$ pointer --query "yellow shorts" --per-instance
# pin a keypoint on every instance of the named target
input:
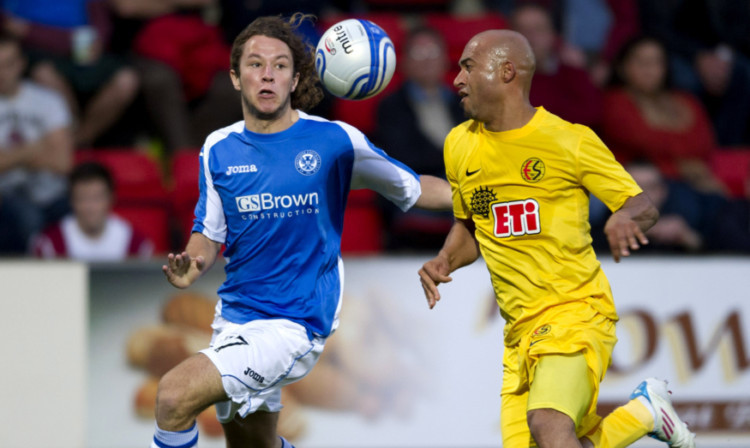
(558, 364)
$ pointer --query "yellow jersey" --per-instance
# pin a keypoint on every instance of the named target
(527, 192)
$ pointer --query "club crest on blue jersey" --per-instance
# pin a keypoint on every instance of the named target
(307, 162)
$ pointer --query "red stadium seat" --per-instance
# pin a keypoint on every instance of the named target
(150, 220)
(732, 166)
(458, 30)
(363, 224)
(361, 113)
(137, 176)
(185, 172)
(139, 190)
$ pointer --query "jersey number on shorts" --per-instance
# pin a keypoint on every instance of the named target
(230, 341)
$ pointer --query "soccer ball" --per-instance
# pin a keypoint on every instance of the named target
(355, 59)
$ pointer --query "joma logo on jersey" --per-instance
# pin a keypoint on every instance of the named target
(516, 218)
(267, 201)
(239, 169)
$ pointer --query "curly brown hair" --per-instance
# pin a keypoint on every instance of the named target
(308, 92)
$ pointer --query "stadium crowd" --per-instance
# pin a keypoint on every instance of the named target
(135, 86)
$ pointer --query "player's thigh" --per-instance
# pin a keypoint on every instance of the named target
(563, 383)
(191, 386)
(256, 430)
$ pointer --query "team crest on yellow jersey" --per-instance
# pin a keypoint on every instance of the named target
(540, 333)
(543, 330)
(533, 170)
(481, 198)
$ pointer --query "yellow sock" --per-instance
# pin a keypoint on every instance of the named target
(623, 426)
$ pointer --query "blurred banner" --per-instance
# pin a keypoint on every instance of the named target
(396, 374)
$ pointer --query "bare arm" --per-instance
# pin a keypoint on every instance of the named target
(182, 270)
(19, 156)
(460, 249)
(56, 154)
(626, 228)
(436, 194)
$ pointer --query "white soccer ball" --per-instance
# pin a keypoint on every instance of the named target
(355, 59)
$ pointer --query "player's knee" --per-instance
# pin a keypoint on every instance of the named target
(548, 424)
(535, 420)
(125, 84)
(172, 410)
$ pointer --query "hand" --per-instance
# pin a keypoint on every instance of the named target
(182, 270)
(623, 235)
(433, 273)
(674, 230)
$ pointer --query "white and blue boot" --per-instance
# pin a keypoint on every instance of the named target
(667, 424)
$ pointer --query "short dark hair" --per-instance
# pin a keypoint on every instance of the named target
(308, 92)
(424, 29)
(88, 171)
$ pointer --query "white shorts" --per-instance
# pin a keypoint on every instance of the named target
(256, 360)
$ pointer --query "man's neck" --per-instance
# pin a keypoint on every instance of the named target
(510, 117)
(92, 233)
(278, 124)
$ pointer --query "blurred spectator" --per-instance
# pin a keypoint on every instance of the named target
(92, 232)
(599, 28)
(67, 42)
(412, 124)
(709, 48)
(36, 148)
(183, 63)
(692, 221)
(237, 14)
(645, 118)
(561, 84)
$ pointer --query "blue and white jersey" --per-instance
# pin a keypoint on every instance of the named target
(277, 202)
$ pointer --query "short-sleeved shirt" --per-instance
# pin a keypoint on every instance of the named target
(25, 118)
(277, 201)
(527, 192)
(118, 241)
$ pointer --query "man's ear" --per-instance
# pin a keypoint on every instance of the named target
(508, 71)
(296, 81)
(235, 80)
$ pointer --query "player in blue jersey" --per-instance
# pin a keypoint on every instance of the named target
(273, 188)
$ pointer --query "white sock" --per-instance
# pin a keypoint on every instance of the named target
(175, 439)
(648, 405)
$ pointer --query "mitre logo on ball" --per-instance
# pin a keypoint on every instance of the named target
(355, 59)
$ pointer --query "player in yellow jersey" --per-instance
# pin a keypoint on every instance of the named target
(521, 177)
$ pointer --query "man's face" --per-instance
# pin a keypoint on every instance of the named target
(479, 82)
(645, 68)
(266, 77)
(11, 68)
(426, 60)
(92, 202)
(536, 25)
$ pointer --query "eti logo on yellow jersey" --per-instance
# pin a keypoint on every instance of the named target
(516, 218)
(512, 218)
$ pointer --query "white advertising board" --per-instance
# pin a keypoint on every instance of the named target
(396, 374)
